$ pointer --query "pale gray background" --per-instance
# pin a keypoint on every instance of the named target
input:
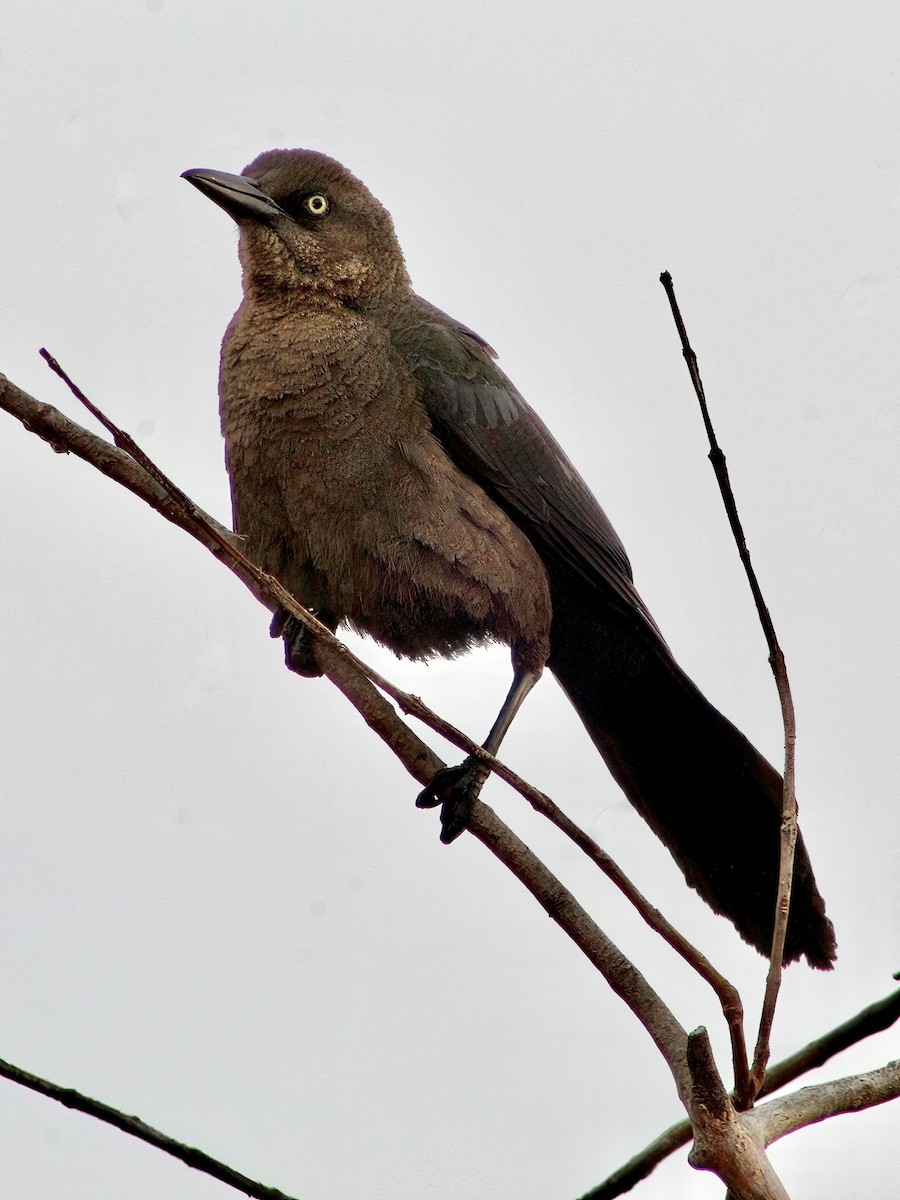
(220, 909)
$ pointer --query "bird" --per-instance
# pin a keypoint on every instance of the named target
(388, 472)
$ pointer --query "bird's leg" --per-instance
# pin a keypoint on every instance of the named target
(299, 642)
(456, 788)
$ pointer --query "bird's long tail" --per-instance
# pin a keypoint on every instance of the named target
(701, 786)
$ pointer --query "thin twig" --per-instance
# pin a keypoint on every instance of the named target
(138, 1129)
(779, 669)
(727, 994)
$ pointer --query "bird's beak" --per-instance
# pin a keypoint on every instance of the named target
(239, 196)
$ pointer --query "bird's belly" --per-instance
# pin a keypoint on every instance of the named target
(422, 560)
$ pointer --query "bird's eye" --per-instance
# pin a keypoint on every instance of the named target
(316, 204)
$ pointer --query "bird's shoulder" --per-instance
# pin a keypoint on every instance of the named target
(488, 429)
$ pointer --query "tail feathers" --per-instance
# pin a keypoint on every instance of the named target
(701, 786)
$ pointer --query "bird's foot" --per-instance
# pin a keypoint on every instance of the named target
(299, 640)
(456, 789)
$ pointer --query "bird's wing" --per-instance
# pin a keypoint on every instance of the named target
(489, 431)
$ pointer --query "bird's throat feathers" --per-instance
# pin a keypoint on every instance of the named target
(274, 273)
(283, 268)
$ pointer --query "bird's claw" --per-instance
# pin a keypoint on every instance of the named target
(299, 644)
(456, 790)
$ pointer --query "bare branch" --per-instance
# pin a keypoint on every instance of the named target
(642, 1164)
(779, 670)
(727, 993)
(133, 1125)
(724, 1142)
(810, 1105)
(875, 1018)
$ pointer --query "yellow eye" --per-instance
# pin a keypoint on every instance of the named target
(317, 204)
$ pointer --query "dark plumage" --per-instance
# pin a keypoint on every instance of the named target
(389, 473)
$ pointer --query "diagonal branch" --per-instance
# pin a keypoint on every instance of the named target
(145, 1133)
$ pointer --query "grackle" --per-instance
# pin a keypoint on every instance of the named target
(387, 471)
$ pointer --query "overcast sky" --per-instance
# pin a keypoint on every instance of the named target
(220, 909)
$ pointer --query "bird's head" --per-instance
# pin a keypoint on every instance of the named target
(306, 224)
